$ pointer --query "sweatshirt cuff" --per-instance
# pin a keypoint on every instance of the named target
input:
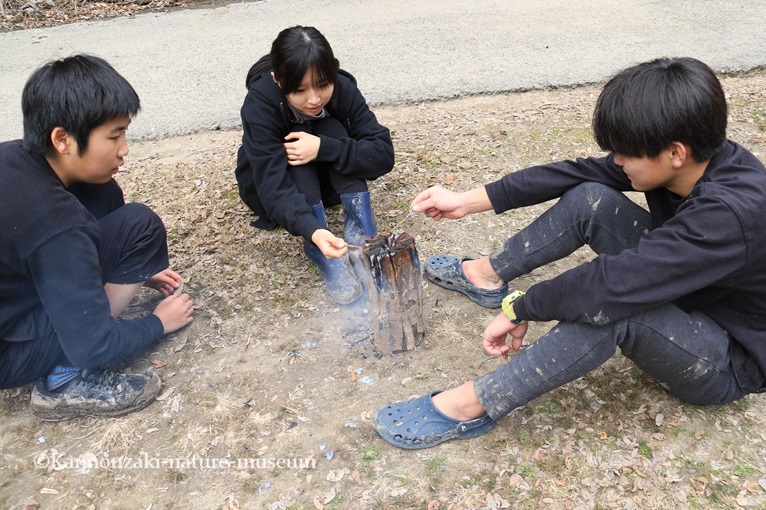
(495, 193)
(306, 225)
(329, 149)
(157, 329)
(520, 309)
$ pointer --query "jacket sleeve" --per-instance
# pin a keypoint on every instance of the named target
(263, 146)
(703, 246)
(77, 306)
(368, 152)
(541, 183)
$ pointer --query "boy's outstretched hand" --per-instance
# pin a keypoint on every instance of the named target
(166, 282)
(437, 203)
(496, 333)
(332, 247)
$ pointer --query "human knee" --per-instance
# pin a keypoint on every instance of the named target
(592, 197)
(142, 215)
(331, 127)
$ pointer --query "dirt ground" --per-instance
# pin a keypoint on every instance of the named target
(268, 394)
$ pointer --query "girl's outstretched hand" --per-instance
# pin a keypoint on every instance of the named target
(302, 148)
(332, 247)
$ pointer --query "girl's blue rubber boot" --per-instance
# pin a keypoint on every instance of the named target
(340, 281)
(360, 222)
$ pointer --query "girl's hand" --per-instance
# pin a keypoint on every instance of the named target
(302, 148)
(166, 282)
(496, 333)
(332, 247)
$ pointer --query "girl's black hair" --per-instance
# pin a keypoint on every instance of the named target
(645, 108)
(295, 51)
(77, 93)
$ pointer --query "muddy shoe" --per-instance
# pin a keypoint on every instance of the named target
(94, 393)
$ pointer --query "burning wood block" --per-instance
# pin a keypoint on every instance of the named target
(388, 266)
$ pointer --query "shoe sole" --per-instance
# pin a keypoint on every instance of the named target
(69, 409)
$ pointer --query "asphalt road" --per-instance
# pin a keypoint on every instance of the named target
(189, 66)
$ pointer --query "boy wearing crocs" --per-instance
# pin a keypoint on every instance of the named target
(680, 288)
(72, 253)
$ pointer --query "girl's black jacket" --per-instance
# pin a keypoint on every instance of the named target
(262, 161)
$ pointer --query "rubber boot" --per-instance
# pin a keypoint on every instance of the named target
(360, 222)
(341, 283)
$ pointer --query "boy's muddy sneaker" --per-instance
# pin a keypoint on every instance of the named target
(92, 392)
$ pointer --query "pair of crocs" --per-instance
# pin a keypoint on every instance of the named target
(417, 424)
(447, 271)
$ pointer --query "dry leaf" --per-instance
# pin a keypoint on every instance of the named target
(353, 374)
(31, 504)
(329, 495)
(335, 476)
(166, 393)
(158, 363)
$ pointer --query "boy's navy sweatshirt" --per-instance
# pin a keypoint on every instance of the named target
(50, 275)
(367, 153)
(706, 253)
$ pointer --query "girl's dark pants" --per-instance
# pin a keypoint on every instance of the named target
(314, 178)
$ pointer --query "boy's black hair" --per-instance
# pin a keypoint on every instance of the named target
(77, 93)
(295, 51)
(645, 108)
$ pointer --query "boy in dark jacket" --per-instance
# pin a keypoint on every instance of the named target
(72, 254)
(680, 288)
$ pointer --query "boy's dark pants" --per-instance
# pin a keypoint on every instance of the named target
(687, 353)
(133, 249)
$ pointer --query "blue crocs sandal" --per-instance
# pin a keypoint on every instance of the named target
(417, 424)
(447, 271)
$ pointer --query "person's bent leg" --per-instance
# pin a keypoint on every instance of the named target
(134, 248)
(590, 214)
(686, 353)
(25, 362)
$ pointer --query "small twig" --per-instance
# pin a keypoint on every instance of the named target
(288, 408)
(354, 247)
